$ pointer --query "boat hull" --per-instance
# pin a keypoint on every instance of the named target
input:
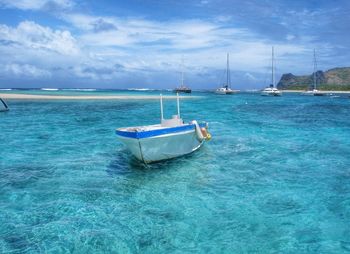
(227, 92)
(163, 147)
(314, 93)
(271, 93)
(182, 90)
(224, 91)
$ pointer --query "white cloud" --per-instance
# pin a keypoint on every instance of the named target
(144, 48)
(150, 46)
(37, 4)
(250, 76)
(171, 35)
(223, 18)
(290, 37)
(32, 36)
(24, 71)
(32, 51)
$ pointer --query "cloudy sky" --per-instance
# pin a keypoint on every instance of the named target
(137, 43)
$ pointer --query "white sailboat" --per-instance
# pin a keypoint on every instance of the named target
(182, 88)
(226, 88)
(272, 90)
(169, 139)
(314, 91)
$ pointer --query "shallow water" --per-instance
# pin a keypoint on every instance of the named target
(274, 178)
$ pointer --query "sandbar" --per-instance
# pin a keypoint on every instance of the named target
(89, 97)
(323, 91)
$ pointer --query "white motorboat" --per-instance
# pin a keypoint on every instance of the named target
(226, 88)
(272, 90)
(169, 139)
(314, 91)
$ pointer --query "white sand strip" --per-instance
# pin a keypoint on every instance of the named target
(302, 91)
(89, 97)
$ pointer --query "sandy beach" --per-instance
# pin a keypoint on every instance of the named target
(88, 97)
(301, 91)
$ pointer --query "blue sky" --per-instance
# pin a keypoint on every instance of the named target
(135, 43)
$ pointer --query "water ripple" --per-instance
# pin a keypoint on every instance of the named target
(274, 178)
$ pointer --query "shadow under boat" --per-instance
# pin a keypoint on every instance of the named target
(125, 163)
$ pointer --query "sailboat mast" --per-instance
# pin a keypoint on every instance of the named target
(182, 71)
(228, 81)
(161, 108)
(273, 71)
(315, 69)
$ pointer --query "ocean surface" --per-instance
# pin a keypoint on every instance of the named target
(275, 178)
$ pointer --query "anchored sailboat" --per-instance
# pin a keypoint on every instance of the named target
(314, 91)
(272, 90)
(182, 88)
(226, 88)
(169, 139)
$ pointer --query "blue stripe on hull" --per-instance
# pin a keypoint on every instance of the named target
(153, 133)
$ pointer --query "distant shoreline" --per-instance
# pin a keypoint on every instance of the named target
(302, 91)
(89, 97)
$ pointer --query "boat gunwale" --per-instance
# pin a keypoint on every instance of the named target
(157, 132)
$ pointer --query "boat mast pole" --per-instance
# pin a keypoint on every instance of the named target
(182, 71)
(273, 73)
(315, 67)
(228, 71)
(161, 107)
(178, 104)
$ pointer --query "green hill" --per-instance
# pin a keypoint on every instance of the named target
(334, 79)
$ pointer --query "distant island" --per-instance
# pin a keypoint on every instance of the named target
(337, 79)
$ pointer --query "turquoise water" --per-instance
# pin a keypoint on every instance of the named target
(275, 178)
(85, 92)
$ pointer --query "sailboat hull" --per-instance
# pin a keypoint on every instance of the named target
(185, 90)
(270, 94)
(314, 93)
(224, 91)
